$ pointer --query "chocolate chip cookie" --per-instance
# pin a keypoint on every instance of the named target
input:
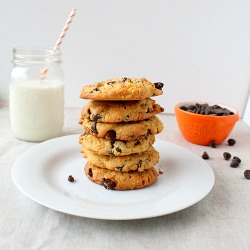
(125, 131)
(118, 148)
(120, 180)
(122, 89)
(134, 162)
(121, 111)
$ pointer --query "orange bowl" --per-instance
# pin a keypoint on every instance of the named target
(203, 129)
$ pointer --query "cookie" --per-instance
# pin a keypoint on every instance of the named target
(125, 131)
(121, 111)
(121, 89)
(118, 148)
(120, 180)
(135, 162)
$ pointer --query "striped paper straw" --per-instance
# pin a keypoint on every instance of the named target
(59, 41)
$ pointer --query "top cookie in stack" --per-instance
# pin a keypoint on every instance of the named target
(119, 130)
(122, 89)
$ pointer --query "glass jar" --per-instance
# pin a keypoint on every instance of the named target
(36, 102)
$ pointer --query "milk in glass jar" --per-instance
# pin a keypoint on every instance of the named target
(36, 101)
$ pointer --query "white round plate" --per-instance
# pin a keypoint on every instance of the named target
(41, 173)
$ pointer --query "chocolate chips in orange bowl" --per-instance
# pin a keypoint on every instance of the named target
(202, 123)
(119, 127)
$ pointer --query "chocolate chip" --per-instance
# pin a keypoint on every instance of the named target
(95, 89)
(205, 155)
(226, 156)
(90, 172)
(111, 83)
(231, 142)
(127, 117)
(247, 174)
(159, 85)
(111, 135)
(89, 112)
(137, 143)
(184, 108)
(148, 133)
(149, 111)
(119, 168)
(205, 109)
(108, 184)
(93, 128)
(237, 159)
(234, 163)
(213, 144)
(124, 79)
(96, 117)
(118, 149)
(139, 166)
(71, 178)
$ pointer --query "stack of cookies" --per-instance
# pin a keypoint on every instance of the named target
(119, 126)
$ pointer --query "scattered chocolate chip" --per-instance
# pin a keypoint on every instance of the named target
(161, 172)
(93, 128)
(124, 79)
(108, 184)
(111, 135)
(89, 112)
(118, 149)
(247, 174)
(71, 178)
(237, 159)
(96, 117)
(90, 173)
(226, 156)
(213, 144)
(205, 155)
(234, 163)
(159, 85)
(231, 142)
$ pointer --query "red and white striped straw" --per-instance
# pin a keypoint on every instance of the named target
(59, 41)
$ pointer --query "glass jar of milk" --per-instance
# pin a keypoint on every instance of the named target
(36, 103)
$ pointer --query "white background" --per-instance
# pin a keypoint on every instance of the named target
(200, 49)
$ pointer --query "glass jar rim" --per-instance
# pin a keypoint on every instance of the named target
(36, 55)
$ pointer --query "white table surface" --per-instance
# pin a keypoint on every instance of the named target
(220, 221)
